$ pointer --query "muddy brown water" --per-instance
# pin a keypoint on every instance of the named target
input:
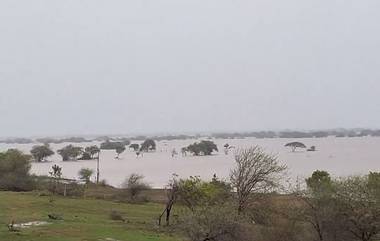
(339, 156)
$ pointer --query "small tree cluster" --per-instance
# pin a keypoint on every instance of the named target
(202, 148)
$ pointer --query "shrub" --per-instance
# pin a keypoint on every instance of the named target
(194, 192)
(55, 216)
(134, 185)
(116, 216)
(85, 174)
(14, 171)
(218, 223)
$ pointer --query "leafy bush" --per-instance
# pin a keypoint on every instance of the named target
(218, 223)
(85, 174)
(14, 171)
(55, 216)
(134, 185)
(194, 192)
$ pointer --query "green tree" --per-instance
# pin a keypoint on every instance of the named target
(320, 183)
(320, 208)
(39, 153)
(194, 192)
(70, 152)
(14, 171)
(358, 207)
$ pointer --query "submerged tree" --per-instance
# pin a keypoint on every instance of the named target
(110, 145)
(184, 151)
(148, 145)
(312, 148)
(39, 153)
(134, 146)
(92, 151)
(295, 145)
(202, 148)
(70, 152)
(119, 150)
(255, 172)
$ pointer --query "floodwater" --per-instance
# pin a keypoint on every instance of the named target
(339, 156)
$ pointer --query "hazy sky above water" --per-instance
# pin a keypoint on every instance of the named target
(92, 67)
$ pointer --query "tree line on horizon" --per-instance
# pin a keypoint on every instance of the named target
(219, 135)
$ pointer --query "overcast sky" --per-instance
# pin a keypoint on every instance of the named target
(149, 66)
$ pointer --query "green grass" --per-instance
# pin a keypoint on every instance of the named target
(83, 220)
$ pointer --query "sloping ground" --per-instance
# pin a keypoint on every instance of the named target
(111, 193)
(83, 220)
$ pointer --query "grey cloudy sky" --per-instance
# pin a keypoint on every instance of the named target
(91, 67)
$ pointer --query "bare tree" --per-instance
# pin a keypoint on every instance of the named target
(172, 190)
(255, 172)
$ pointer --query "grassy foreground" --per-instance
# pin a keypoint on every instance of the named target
(84, 220)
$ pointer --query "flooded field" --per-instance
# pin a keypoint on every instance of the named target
(339, 156)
